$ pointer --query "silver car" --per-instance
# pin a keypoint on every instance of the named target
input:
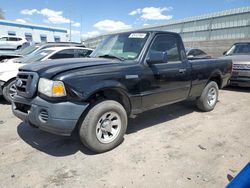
(239, 53)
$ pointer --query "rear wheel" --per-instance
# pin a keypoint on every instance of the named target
(209, 97)
(104, 126)
(9, 91)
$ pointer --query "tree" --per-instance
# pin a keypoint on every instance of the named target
(1, 14)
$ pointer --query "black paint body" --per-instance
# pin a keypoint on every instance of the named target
(146, 86)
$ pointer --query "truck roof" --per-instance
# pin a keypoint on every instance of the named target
(149, 31)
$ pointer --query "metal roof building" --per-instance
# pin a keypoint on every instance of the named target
(32, 32)
(220, 28)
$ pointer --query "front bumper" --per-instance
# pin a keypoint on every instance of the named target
(240, 82)
(57, 118)
(240, 78)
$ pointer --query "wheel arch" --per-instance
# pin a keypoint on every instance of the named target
(216, 76)
(111, 93)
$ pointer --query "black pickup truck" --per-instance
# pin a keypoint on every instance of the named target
(126, 75)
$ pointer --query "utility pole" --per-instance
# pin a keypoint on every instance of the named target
(70, 21)
(1, 14)
(81, 30)
(70, 30)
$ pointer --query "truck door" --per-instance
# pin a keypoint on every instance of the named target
(169, 82)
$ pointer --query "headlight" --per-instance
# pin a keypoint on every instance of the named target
(51, 88)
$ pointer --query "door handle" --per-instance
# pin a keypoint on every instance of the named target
(182, 71)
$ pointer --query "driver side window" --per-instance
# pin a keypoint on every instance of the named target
(168, 44)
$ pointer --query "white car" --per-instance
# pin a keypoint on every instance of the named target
(11, 42)
(9, 69)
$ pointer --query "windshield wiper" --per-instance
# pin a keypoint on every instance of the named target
(111, 56)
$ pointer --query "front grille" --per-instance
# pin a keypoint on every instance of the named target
(241, 66)
(26, 84)
(44, 115)
(22, 107)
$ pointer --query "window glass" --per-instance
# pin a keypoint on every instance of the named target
(64, 54)
(191, 52)
(12, 33)
(166, 43)
(57, 39)
(127, 46)
(28, 37)
(28, 49)
(12, 39)
(4, 39)
(239, 49)
(199, 52)
(83, 53)
(43, 38)
(33, 57)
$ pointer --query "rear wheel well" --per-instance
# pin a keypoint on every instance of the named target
(111, 94)
(217, 79)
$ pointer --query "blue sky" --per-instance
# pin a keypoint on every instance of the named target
(109, 15)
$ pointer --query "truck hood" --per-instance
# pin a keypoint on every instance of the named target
(53, 67)
(238, 59)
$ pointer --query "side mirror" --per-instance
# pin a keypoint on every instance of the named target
(190, 56)
(224, 53)
(156, 57)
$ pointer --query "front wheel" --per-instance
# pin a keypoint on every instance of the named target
(9, 91)
(209, 97)
(104, 126)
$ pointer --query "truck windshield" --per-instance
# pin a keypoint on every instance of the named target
(239, 49)
(125, 46)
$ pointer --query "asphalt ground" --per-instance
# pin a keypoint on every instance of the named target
(174, 146)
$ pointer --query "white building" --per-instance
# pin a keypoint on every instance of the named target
(34, 33)
(214, 33)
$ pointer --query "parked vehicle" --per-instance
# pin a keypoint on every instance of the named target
(194, 53)
(239, 53)
(11, 42)
(9, 69)
(5, 55)
(129, 73)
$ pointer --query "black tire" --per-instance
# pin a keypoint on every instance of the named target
(8, 91)
(203, 101)
(19, 47)
(89, 126)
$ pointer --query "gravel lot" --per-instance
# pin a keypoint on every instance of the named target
(175, 146)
